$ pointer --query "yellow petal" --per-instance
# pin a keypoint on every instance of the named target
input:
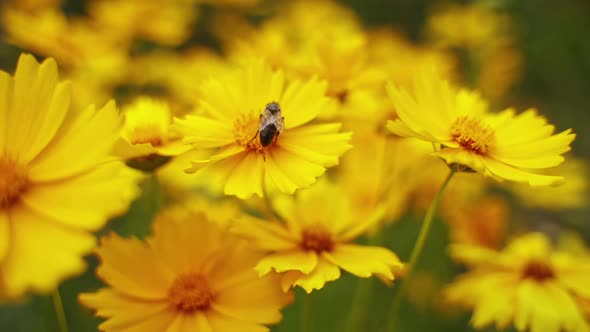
(88, 200)
(505, 172)
(190, 323)
(462, 157)
(123, 266)
(5, 103)
(304, 261)
(289, 172)
(38, 108)
(545, 307)
(85, 140)
(42, 252)
(183, 245)
(324, 272)
(364, 261)
(264, 234)
(246, 178)
(123, 311)
(302, 102)
(222, 323)
(203, 132)
(257, 301)
(321, 144)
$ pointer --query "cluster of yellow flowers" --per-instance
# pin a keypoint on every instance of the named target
(277, 150)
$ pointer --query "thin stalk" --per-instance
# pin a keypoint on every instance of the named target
(418, 247)
(59, 311)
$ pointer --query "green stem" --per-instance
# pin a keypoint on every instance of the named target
(419, 246)
(59, 311)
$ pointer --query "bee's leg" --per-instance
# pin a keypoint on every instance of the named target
(257, 131)
(274, 140)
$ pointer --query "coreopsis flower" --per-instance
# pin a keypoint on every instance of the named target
(56, 181)
(190, 275)
(315, 241)
(528, 284)
(505, 145)
(257, 128)
(146, 134)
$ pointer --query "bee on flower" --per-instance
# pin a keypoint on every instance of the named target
(257, 128)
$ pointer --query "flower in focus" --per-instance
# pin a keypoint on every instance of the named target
(190, 275)
(314, 243)
(228, 124)
(56, 183)
(527, 283)
(504, 145)
(146, 134)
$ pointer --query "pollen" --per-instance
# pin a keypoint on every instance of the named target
(472, 135)
(190, 293)
(245, 132)
(316, 239)
(13, 181)
(538, 271)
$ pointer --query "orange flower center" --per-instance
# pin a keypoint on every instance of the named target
(190, 293)
(245, 127)
(147, 134)
(472, 135)
(13, 181)
(316, 239)
(538, 271)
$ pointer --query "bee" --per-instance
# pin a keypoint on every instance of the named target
(271, 124)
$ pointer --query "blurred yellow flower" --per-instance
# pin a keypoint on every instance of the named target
(504, 145)
(378, 174)
(466, 26)
(170, 22)
(56, 181)
(258, 127)
(527, 283)
(147, 131)
(315, 241)
(190, 275)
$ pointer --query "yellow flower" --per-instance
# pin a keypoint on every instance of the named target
(504, 145)
(527, 283)
(315, 242)
(56, 183)
(231, 110)
(147, 133)
(190, 275)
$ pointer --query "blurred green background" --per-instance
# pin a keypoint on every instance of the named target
(555, 41)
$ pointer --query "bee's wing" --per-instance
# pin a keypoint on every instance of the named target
(280, 123)
(264, 121)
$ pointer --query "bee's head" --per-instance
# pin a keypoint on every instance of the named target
(273, 107)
